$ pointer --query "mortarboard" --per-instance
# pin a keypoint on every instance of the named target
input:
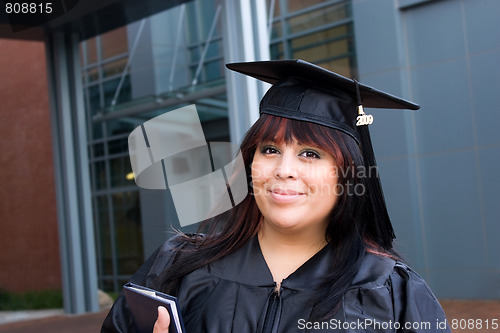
(306, 92)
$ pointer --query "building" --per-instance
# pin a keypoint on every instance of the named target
(113, 65)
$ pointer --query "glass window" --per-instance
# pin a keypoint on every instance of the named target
(103, 236)
(295, 5)
(98, 150)
(97, 131)
(214, 70)
(120, 248)
(114, 67)
(94, 98)
(276, 7)
(276, 30)
(321, 45)
(108, 284)
(114, 43)
(321, 37)
(110, 87)
(277, 51)
(93, 74)
(213, 62)
(195, 52)
(342, 66)
(317, 18)
(200, 18)
(91, 51)
(117, 133)
(128, 232)
(316, 31)
(100, 175)
(120, 168)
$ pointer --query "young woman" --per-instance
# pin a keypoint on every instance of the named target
(310, 248)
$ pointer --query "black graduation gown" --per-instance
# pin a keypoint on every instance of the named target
(237, 294)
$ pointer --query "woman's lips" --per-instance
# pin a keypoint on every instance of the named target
(280, 195)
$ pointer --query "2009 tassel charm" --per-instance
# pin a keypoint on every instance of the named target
(362, 118)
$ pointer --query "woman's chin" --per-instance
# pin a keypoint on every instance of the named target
(287, 223)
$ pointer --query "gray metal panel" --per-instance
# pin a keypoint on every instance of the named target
(442, 191)
(381, 55)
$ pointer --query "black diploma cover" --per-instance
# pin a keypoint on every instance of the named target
(143, 303)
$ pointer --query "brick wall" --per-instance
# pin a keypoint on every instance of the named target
(29, 246)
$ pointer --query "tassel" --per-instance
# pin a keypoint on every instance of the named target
(380, 227)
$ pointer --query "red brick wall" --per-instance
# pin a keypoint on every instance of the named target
(29, 245)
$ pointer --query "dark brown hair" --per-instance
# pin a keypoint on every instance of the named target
(348, 231)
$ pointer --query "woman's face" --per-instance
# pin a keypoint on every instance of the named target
(294, 185)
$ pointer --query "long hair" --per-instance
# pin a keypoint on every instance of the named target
(348, 230)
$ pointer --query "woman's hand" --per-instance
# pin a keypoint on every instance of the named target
(163, 321)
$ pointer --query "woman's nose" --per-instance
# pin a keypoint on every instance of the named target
(286, 167)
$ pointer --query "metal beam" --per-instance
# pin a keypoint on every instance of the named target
(159, 104)
(74, 209)
(180, 22)
(245, 39)
(207, 44)
(129, 60)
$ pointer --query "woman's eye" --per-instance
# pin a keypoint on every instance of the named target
(310, 154)
(269, 150)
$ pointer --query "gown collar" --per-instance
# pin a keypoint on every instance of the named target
(248, 266)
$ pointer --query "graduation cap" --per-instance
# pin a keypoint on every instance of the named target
(306, 92)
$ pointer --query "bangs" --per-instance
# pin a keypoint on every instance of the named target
(284, 130)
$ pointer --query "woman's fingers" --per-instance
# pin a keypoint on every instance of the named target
(163, 321)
